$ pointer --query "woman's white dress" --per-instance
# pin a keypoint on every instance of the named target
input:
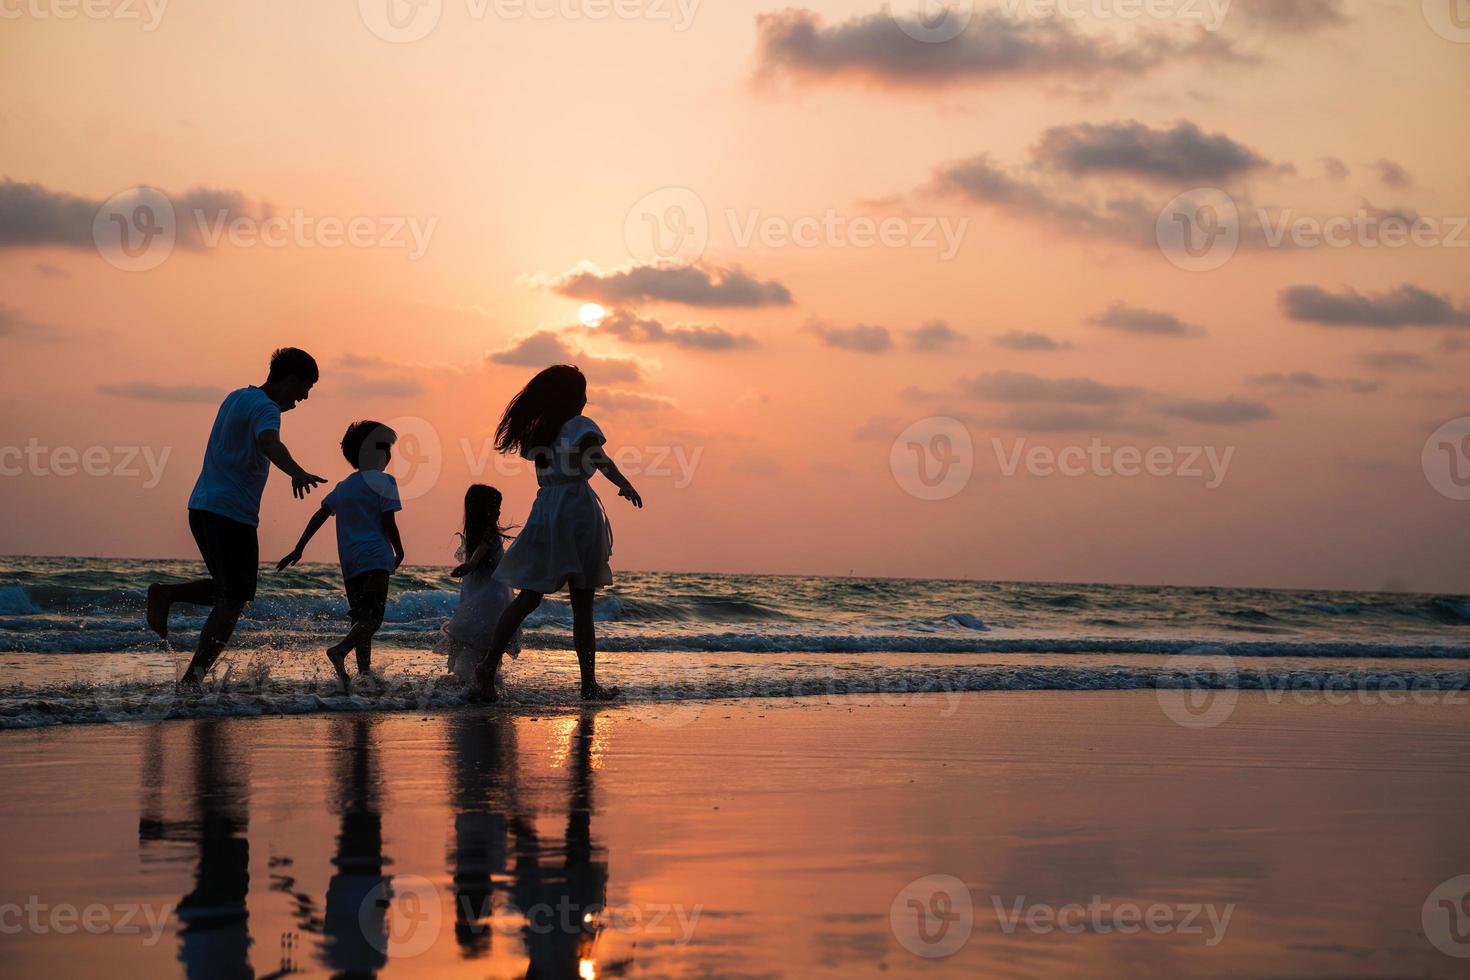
(566, 541)
(465, 639)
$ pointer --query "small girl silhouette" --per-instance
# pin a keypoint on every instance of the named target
(466, 637)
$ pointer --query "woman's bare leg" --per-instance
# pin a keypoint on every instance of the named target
(510, 620)
(584, 638)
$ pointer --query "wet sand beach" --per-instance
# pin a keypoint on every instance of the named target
(994, 834)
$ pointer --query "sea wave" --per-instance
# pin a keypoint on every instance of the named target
(675, 697)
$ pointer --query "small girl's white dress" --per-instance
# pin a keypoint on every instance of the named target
(465, 639)
(567, 540)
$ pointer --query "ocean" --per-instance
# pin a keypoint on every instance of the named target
(72, 633)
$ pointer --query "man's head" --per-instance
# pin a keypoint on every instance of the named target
(293, 372)
(368, 445)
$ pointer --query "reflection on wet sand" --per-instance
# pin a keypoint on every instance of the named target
(356, 939)
(214, 931)
(507, 876)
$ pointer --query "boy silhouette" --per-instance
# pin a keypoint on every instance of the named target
(224, 509)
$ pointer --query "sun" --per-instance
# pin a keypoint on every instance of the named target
(591, 315)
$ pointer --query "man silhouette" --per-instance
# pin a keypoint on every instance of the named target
(224, 509)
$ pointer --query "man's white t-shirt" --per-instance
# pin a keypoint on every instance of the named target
(235, 470)
(359, 503)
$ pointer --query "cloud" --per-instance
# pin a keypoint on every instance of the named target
(1053, 418)
(1305, 382)
(618, 400)
(1181, 153)
(149, 392)
(1019, 340)
(992, 46)
(1395, 360)
(542, 348)
(1135, 319)
(31, 215)
(1405, 305)
(878, 428)
(1126, 218)
(635, 329)
(936, 335)
(862, 337)
(51, 271)
(1225, 411)
(1335, 169)
(691, 285)
(1300, 382)
(1294, 16)
(1015, 386)
(1392, 174)
(16, 326)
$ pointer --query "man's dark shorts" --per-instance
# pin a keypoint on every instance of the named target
(367, 597)
(231, 551)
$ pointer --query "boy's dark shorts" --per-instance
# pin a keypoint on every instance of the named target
(231, 552)
(367, 597)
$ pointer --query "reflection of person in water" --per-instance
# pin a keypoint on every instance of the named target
(355, 938)
(214, 934)
(563, 905)
(483, 760)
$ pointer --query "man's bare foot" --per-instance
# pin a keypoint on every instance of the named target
(339, 664)
(158, 606)
(599, 693)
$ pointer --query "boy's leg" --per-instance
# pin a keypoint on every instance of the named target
(162, 596)
(584, 638)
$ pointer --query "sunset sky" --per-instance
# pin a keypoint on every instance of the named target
(768, 345)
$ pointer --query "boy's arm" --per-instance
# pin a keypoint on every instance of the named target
(312, 526)
(275, 450)
(390, 528)
(599, 458)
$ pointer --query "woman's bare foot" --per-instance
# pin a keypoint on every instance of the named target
(599, 693)
(158, 606)
(484, 684)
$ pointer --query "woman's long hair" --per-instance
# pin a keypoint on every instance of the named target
(481, 518)
(535, 415)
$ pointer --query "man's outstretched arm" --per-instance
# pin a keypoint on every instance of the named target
(275, 450)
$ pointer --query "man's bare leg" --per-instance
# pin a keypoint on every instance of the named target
(161, 598)
(212, 639)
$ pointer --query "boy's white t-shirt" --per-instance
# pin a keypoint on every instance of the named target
(235, 470)
(358, 503)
